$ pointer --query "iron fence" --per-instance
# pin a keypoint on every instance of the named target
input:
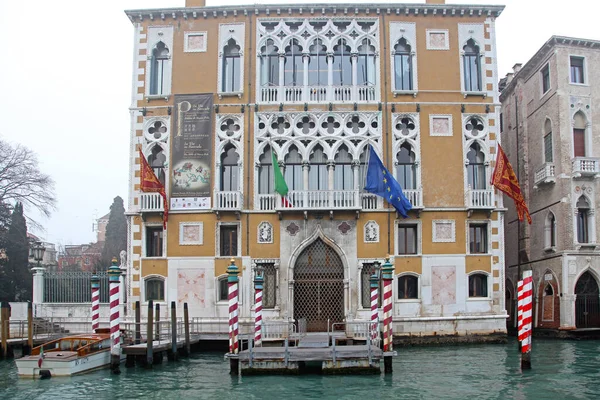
(73, 287)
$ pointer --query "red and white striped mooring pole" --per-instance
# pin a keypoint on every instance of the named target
(95, 302)
(524, 312)
(375, 303)
(258, 296)
(387, 274)
(115, 334)
(232, 280)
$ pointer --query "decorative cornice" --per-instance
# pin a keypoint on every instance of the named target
(540, 56)
(316, 9)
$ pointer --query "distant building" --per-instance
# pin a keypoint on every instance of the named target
(551, 128)
(50, 255)
(219, 91)
(83, 257)
(101, 224)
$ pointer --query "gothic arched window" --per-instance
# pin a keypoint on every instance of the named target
(476, 167)
(231, 67)
(406, 169)
(317, 64)
(550, 231)
(583, 225)
(548, 141)
(265, 172)
(230, 174)
(317, 175)
(158, 65)
(293, 169)
(579, 123)
(366, 63)
(293, 71)
(157, 161)
(342, 64)
(403, 65)
(269, 65)
(343, 178)
(472, 67)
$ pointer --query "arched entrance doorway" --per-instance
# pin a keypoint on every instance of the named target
(587, 304)
(318, 287)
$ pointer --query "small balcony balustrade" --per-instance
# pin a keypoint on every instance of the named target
(480, 199)
(151, 202)
(544, 175)
(318, 94)
(586, 167)
(228, 201)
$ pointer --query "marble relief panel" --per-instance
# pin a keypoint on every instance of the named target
(443, 282)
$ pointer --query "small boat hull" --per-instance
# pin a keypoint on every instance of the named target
(71, 365)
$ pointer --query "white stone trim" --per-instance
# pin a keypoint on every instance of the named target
(372, 236)
(436, 239)
(145, 241)
(490, 286)
(419, 224)
(413, 138)
(448, 117)
(267, 228)
(161, 33)
(187, 35)
(182, 226)
(489, 246)
(430, 46)
(473, 31)
(586, 81)
(221, 141)
(218, 239)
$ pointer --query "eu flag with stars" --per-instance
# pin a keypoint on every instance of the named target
(382, 183)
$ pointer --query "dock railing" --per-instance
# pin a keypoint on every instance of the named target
(359, 330)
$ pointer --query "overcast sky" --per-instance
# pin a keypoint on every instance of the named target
(65, 76)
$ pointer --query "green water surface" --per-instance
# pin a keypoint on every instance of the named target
(561, 370)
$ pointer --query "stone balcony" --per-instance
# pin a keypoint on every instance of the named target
(318, 94)
(586, 167)
(228, 201)
(544, 175)
(480, 199)
(151, 202)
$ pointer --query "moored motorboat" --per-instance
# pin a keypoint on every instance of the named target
(67, 356)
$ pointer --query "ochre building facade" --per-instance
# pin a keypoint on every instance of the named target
(216, 90)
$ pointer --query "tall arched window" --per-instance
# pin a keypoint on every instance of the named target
(579, 123)
(265, 172)
(472, 67)
(362, 168)
(548, 141)
(293, 72)
(157, 161)
(317, 64)
(342, 64)
(550, 231)
(231, 67)
(269, 65)
(403, 66)
(583, 213)
(476, 167)
(406, 170)
(366, 64)
(317, 175)
(293, 170)
(343, 177)
(158, 75)
(230, 180)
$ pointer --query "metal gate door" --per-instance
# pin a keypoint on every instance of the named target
(318, 287)
(587, 305)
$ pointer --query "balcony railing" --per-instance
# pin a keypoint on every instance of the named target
(480, 199)
(320, 200)
(228, 201)
(544, 174)
(318, 94)
(586, 166)
(415, 196)
(151, 202)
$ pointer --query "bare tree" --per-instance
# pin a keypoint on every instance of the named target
(21, 180)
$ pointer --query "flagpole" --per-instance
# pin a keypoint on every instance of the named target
(519, 180)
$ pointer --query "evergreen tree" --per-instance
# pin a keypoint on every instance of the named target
(18, 277)
(116, 233)
(4, 276)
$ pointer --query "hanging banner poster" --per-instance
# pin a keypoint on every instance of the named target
(192, 152)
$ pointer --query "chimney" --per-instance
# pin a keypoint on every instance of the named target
(517, 67)
(195, 3)
(435, 1)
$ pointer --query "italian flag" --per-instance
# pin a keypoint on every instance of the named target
(280, 186)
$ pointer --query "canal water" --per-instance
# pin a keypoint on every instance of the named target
(561, 370)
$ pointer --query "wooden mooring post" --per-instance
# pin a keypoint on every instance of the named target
(27, 348)
(4, 328)
(149, 333)
(186, 322)
(157, 319)
(138, 323)
(172, 355)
